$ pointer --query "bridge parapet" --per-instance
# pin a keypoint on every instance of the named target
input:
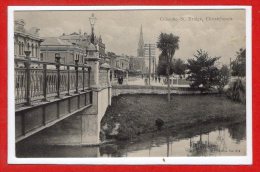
(46, 93)
(37, 80)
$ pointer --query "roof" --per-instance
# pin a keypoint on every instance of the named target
(54, 41)
(72, 36)
(91, 47)
(105, 65)
(20, 29)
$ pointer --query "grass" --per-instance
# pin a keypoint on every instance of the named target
(137, 114)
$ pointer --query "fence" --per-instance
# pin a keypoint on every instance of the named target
(37, 80)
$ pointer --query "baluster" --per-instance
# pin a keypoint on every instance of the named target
(83, 80)
(89, 70)
(77, 76)
(44, 82)
(57, 57)
(68, 86)
(28, 75)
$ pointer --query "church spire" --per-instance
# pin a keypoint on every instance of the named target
(140, 49)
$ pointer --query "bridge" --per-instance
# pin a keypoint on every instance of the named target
(46, 93)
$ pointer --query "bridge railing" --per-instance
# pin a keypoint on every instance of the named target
(38, 80)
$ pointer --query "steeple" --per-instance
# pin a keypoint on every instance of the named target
(140, 49)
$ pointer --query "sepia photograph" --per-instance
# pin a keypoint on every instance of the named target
(99, 83)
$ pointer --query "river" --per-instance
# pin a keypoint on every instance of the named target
(228, 140)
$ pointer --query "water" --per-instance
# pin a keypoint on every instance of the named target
(229, 140)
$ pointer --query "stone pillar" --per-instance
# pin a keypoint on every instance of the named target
(91, 123)
(113, 76)
(108, 76)
(94, 74)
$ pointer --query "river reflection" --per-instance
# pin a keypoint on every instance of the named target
(223, 141)
(215, 143)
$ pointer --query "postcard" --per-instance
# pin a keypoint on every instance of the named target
(129, 85)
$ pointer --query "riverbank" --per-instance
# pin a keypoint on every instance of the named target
(133, 115)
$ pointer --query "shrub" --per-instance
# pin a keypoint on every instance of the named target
(237, 91)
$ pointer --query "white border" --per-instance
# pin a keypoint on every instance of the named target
(232, 160)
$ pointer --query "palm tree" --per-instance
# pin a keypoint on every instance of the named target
(168, 44)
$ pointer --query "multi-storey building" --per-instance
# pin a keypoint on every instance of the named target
(26, 40)
(83, 40)
(68, 51)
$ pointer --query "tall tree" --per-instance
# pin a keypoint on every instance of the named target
(238, 66)
(162, 65)
(168, 44)
(202, 70)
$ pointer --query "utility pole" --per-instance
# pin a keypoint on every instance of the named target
(150, 50)
(153, 66)
(149, 64)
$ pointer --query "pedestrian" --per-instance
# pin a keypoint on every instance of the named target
(118, 80)
(122, 80)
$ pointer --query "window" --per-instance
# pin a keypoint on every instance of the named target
(41, 57)
(36, 51)
(32, 50)
(28, 46)
(20, 48)
(22, 53)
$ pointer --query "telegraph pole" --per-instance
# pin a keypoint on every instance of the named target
(150, 50)
(149, 64)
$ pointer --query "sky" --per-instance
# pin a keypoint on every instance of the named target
(219, 32)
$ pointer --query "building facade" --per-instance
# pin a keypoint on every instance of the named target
(136, 65)
(26, 40)
(84, 40)
(121, 62)
(68, 51)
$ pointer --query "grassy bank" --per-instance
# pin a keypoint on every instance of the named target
(136, 114)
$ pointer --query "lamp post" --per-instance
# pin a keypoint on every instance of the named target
(77, 73)
(92, 21)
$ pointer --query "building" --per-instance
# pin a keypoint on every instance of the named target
(140, 49)
(26, 40)
(119, 66)
(136, 65)
(118, 61)
(122, 62)
(83, 40)
(68, 51)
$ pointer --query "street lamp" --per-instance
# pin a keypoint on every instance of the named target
(92, 21)
(57, 57)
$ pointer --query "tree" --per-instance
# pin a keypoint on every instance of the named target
(202, 70)
(223, 78)
(162, 65)
(238, 66)
(168, 44)
(179, 67)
